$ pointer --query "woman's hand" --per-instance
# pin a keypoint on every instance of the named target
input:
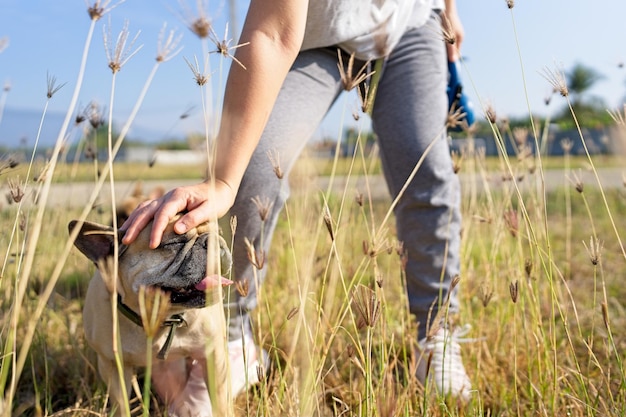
(200, 202)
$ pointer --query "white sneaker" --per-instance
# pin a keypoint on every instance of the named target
(440, 362)
(245, 368)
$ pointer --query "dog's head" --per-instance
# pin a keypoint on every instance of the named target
(178, 266)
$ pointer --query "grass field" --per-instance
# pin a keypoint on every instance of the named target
(541, 287)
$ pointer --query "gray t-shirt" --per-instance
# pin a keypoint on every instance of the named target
(369, 28)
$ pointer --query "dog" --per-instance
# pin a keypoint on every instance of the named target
(190, 344)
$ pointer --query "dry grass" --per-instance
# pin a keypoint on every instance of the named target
(541, 288)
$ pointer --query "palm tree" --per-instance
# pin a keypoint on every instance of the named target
(580, 79)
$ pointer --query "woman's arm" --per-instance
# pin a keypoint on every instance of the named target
(275, 30)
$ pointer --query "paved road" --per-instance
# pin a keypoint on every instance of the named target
(77, 194)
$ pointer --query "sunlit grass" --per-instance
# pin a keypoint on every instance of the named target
(541, 287)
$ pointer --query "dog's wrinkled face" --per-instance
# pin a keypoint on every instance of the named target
(178, 266)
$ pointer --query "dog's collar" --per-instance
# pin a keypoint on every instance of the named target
(174, 322)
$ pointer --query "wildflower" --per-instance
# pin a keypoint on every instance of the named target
(119, 54)
(166, 47)
(52, 88)
(264, 207)
(557, 79)
(510, 3)
(275, 161)
(349, 79)
(224, 48)
(367, 305)
(200, 77)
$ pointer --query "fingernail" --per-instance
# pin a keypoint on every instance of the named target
(180, 228)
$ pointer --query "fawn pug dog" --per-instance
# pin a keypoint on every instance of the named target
(188, 346)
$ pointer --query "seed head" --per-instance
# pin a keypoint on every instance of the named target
(257, 259)
(510, 3)
(528, 267)
(594, 250)
(243, 287)
(619, 117)
(457, 161)
(154, 305)
(52, 88)
(119, 54)
(567, 145)
(367, 305)
(490, 113)
(514, 290)
(328, 221)
(264, 207)
(167, 47)
(486, 295)
(349, 79)
(293, 312)
(557, 79)
(577, 181)
(511, 221)
(198, 23)
(223, 46)
(16, 190)
(200, 77)
(274, 158)
(100, 8)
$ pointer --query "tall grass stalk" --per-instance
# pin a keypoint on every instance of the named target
(36, 230)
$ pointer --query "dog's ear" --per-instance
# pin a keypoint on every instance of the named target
(94, 240)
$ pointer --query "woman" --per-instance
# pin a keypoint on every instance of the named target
(275, 104)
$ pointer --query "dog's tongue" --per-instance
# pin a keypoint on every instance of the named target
(212, 282)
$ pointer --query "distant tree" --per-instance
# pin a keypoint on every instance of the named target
(590, 110)
(580, 79)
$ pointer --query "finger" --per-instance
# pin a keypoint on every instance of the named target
(137, 221)
(195, 217)
(170, 207)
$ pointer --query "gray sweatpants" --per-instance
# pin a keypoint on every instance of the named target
(410, 111)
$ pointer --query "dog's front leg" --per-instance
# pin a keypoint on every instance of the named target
(108, 373)
(181, 384)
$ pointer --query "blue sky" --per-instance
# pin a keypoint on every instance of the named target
(47, 37)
